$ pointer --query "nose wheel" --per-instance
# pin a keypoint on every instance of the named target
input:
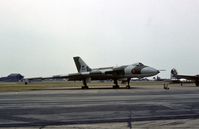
(128, 86)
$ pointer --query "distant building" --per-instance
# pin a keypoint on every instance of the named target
(14, 77)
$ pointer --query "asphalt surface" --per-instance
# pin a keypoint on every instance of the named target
(70, 107)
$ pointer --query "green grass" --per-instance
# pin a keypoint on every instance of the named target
(16, 87)
(5, 87)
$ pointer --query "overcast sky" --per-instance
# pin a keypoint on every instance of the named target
(40, 37)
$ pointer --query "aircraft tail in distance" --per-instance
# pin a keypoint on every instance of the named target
(174, 73)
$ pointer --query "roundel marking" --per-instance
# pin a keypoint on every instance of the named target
(136, 71)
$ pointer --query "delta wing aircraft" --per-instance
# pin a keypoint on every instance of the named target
(124, 73)
(192, 78)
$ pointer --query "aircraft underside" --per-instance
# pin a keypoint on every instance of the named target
(115, 81)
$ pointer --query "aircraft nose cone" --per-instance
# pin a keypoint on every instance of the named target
(150, 71)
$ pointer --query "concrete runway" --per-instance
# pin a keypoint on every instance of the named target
(70, 107)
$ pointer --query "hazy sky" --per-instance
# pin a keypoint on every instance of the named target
(40, 37)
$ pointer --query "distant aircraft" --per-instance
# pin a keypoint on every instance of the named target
(14, 77)
(125, 72)
(192, 78)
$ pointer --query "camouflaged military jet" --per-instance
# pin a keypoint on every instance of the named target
(191, 78)
(124, 73)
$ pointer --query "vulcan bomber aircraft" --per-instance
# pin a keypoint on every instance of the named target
(124, 73)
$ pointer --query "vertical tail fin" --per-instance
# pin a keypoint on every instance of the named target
(81, 65)
(174, 73)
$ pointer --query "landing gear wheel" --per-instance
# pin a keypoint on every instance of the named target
(128, 87)
(84, 87)
(166, 87)
(116, 87)
(197, 84)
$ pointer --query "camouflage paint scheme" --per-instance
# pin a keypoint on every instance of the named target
(194, 78)
(125, 72)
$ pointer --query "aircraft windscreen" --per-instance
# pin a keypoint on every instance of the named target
(139, 64)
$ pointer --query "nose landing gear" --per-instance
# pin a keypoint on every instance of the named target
(128, 85)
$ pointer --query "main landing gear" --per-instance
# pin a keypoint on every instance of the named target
(85, 85)
(166, 86)
(197, 83)
(116, 86)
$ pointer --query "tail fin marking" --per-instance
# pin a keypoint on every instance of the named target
(81, 65)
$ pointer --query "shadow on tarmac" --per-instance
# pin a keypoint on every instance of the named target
(93, 88)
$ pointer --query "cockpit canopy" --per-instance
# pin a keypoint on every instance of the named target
(138, 64)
